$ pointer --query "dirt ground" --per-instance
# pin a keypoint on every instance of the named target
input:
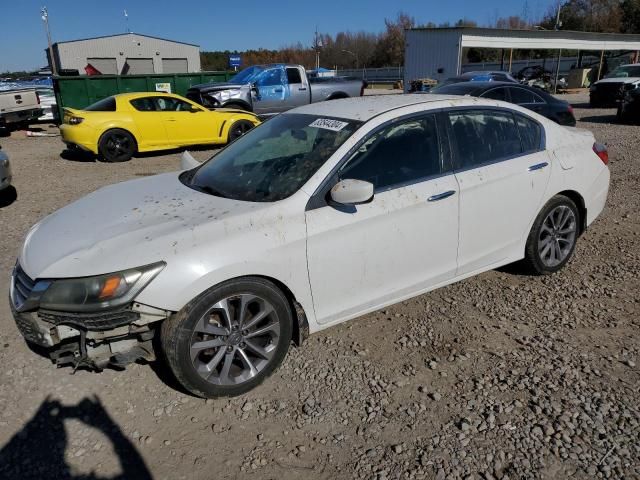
(499, 376)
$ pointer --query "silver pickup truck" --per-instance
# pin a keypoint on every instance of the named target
(271, 89)
(19, 107)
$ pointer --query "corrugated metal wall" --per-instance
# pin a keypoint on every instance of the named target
(74, 55)
(431, 55)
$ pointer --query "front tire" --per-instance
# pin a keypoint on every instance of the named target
(553, 237)
(230, 339)
(238, 129)
(117, 145)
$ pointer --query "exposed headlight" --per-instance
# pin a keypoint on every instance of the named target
(75, 120)
(100, 292)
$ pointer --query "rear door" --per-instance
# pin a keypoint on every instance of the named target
(502, 169)
(298, 87)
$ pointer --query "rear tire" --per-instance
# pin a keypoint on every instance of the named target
(553, 237)
(215, 350)
(238, 129)
(117, 145)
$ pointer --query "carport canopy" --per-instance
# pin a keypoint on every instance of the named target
(430, 50)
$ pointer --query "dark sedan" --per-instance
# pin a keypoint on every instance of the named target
(629, 106)
(528, 97)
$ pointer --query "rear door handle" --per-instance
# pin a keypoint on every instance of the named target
(538, 166)
(302, 89)
(441, 196)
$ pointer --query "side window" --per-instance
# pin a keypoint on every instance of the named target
(270, 78)
(293, 76)
(169, 104)
(530, 134)
(401, 153)
(496, 94)
(520, 96)
(144, 104)
(482, 136)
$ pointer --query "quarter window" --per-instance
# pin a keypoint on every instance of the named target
(497, 94)
(530, 134)
(483, 136)
(520, 96)
(402, 153)
(144, 104)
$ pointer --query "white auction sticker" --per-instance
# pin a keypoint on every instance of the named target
(329, 124)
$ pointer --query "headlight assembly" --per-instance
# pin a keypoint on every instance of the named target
(99, 292)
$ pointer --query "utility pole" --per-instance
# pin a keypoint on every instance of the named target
(317, 43)
(45, 19)
(126, 19)
(558, 22)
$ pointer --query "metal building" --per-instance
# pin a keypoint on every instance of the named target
(127, 53)
(437, 52)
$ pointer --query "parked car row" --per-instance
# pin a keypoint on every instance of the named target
(221, 282)
(532, 98)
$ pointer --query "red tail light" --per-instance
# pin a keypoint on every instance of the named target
(601, 151)
(570, 108)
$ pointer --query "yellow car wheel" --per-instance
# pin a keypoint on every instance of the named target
(239, 128)
(117, 145)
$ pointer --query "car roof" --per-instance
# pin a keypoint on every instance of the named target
(132, 95)
(484, 72)
(369, 106)
(481, 86)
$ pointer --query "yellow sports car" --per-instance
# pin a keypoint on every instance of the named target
(117, 127)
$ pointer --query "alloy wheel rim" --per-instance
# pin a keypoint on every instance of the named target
(235, 339)
(118, 145)
(557, 236)
(241, 130)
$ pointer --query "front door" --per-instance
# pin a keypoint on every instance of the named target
(152, 128)
(401, 243)
(186, 126)
(503, 170)
(272, 92)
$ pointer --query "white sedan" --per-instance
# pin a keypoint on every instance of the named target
(318, 216)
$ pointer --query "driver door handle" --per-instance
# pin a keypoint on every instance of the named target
(538, 166)
(441, 196)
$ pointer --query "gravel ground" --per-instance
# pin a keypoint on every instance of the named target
(500, 376)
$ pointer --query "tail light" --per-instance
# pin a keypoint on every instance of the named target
(602, 152)
(570, 109)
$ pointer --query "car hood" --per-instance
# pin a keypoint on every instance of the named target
(127, 225)
(618, 80)
(214, 87)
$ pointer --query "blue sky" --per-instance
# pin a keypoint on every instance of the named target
(221, 25)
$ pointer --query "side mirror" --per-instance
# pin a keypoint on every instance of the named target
(195, 109)
(352, 192)
(254, 87)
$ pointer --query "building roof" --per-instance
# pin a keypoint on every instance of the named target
(123, 34)
(526, 39)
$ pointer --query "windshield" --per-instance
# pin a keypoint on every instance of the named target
(247, 75)
(274, 160)
(627, 71)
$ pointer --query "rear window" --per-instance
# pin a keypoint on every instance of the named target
(520, 96)
(530, 134)
(105, 105)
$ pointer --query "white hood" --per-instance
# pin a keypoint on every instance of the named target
(126, 225)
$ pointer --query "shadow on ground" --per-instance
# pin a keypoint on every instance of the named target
(600, 119)
(38, 450)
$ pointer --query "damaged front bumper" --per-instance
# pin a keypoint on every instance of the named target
(93, 340)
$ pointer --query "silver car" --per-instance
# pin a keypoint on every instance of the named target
(5, 171)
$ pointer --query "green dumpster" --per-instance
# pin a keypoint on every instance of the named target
(82, 91)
